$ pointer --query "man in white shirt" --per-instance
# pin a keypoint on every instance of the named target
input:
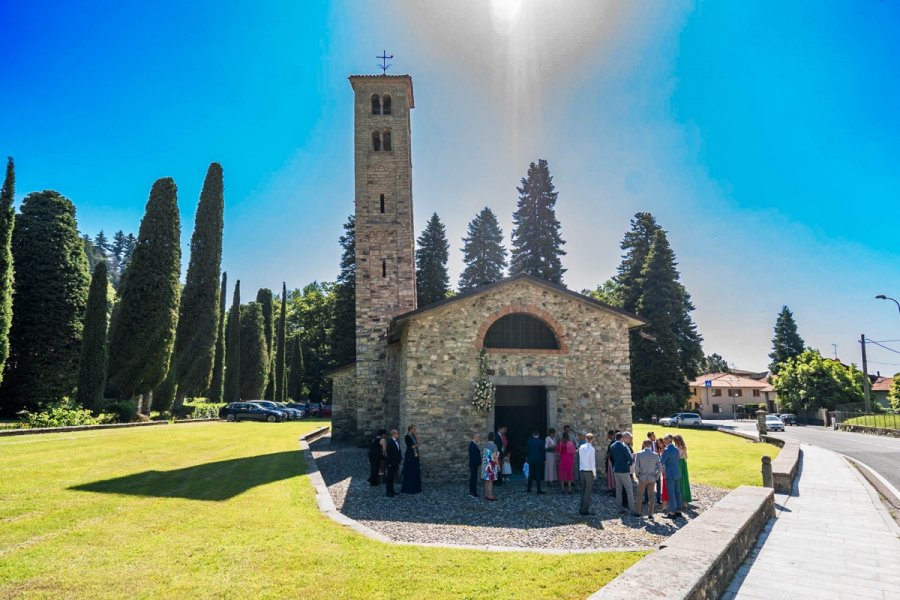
(587, 465)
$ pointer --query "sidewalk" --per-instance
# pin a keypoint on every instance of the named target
(832, 538)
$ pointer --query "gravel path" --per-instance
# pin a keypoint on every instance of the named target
(445, 513)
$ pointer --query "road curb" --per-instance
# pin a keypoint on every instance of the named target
(881, 485)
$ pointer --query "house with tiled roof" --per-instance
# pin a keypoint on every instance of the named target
(727, 395)
(880, 387)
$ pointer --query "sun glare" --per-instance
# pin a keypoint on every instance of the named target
(505, 13)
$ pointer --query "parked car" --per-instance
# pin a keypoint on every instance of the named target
(773, 423)
(287, 412)
(315, 409)
(667, 421)
(789, 419)
(295, 413)
(682, 419)
(325, 411)
(301, 406)
(248, 411)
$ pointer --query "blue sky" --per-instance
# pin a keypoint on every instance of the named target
(762, 135)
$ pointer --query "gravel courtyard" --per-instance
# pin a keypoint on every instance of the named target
(445, 513)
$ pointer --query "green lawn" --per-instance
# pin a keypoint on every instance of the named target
(714, 458)
(885, 421)
(224, 510)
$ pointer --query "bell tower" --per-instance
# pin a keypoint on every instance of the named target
(385, 240)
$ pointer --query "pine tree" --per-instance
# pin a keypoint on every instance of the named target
(101, 242)
(536, 241)
(636, 246)
(49, 302)
(142, 331)
(254, 359)
(265, 301)
(217, 386)
(130, 243)
(483, 252)
(117, 248)
(786, 343)
(232, 391)
(344, 334)
(198, 315)
(432, 253)
(7, 222)
(92, 368)
(280, 348)
(297, 374)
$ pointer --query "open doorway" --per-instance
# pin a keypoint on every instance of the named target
(522, 409)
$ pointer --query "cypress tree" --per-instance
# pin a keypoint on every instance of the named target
(254, 361)
(232, 391)
(142, 331)
(295, 379)
(49, 301)
(7, 221)
(280, 379)
(536, 241)
(483, 252)
(264, 300)
(217, 387)
(198, 316)
(344, 332)
(92, 368)
(786, 343)
(432, 253)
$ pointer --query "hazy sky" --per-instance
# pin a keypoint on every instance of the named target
(762, 135)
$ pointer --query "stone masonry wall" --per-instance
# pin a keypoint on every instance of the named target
(343, 404)
(440, 364)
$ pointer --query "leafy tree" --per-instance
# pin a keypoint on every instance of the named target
(142, 331)
(295, 388)
(432, 253)
(808, 382)
(311, 316)
(49, 301)
(536, 241)
(232, 391)
(217, 387)
(94, 255)
(344, 335)
(7, 221)
(714, 363)
(254, 357)
(657, 404)
(483, 252)
(609, 292)
(894, 392)
(101, 242)
(264, 299)
(280, 349)
(787, 343)
(198, 316)
(92, 368)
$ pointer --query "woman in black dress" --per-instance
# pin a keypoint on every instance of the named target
(376, 457)
(412, 474)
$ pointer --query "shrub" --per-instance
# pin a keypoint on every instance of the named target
(121, 411)
(65, 414)
(656, 404)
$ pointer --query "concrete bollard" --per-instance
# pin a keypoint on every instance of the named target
(761, 422)
(768, 481)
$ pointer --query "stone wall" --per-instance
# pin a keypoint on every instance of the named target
(588, 379)
(343, 403)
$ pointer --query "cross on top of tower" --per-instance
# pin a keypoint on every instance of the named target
(384, 66)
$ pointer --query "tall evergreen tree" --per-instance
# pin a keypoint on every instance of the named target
(280, 349)
(254, 359)
(7, 221)
(344, 334)
(536, 241)
(217, 386)
(198, 315)
(142, 331)
(102, 243)
(130, 243)
(265, 301)
(92, 368)
(297, 374)
(49, 301)
(432, 253)
(786, 343)
(636, 247)
(232, 391)
(117, 247)
(483, 252)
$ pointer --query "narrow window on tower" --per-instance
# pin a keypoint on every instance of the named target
(387, 140)
(376, 141)
(386, 104)
(382, 203)
(376, 105)
(384, 267)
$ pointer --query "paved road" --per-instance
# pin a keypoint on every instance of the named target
(882, 454)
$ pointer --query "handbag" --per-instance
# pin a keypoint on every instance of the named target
(507, 469)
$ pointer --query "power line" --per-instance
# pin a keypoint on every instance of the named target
(883, 346)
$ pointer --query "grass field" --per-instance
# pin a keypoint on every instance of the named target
(885, 421)
(224, 510)
(714, 458)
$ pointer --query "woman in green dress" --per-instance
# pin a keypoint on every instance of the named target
(682, 463)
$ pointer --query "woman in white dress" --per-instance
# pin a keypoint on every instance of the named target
(550, 470)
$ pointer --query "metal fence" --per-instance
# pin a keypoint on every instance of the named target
(885, 420)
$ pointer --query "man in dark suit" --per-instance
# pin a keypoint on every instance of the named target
(392, 462)
(502, 449)
(474, 465)
(535, 454)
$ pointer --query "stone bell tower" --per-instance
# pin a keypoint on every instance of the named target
(385, 240)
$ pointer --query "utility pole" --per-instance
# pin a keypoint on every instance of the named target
(865, 368)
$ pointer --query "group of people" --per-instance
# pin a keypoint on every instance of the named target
(386, 457)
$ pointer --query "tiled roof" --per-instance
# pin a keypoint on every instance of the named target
(728, 380)
(882, 384)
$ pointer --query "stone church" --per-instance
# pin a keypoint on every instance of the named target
(555, 356)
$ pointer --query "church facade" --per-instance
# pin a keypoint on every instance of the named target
(555, 356)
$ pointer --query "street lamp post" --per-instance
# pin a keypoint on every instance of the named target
(883, 297)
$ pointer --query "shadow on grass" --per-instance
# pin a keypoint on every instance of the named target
(215, 481)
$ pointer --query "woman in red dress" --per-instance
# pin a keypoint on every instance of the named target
(566, 450)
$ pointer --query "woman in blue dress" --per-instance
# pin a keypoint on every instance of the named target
(412, 473)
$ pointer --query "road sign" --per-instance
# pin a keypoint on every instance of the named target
(708, 383)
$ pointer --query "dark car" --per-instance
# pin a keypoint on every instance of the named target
(789, 419)
(294, 413)
(315, 409)
(248, 411)
(303, 408)
(287, 412)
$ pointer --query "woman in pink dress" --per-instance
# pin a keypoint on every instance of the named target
(566, 450)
